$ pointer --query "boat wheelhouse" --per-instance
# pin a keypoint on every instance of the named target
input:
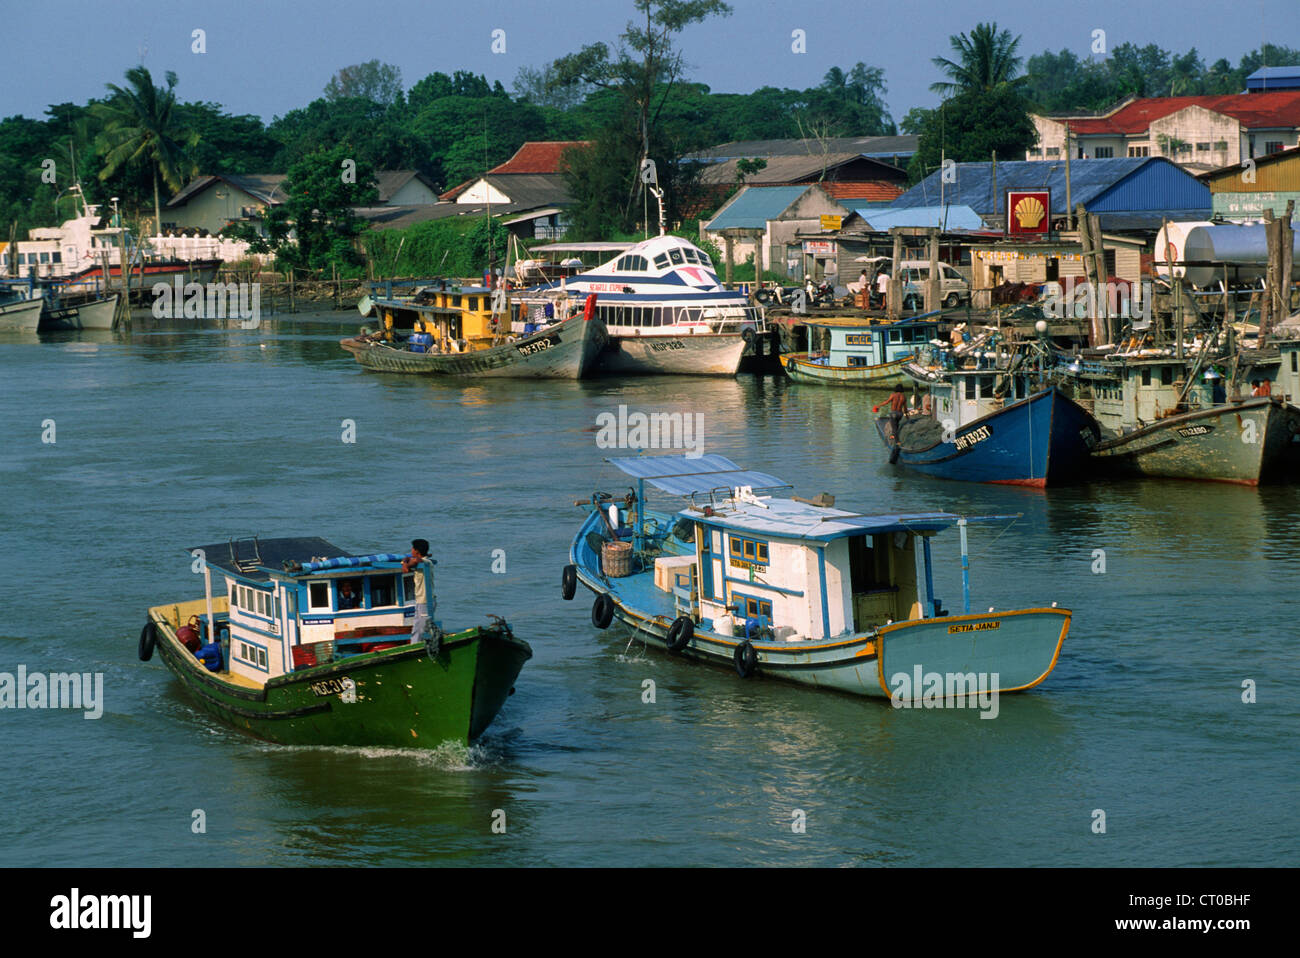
(312, 646)
(791, 588)
(667, 312)
(866, 353)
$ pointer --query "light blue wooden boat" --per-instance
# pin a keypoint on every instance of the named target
(796, 589)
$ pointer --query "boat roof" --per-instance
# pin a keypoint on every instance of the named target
(239, 557)
(689, 475)
(855, 323)
(791, 519)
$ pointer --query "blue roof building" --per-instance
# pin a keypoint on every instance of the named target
(1273, 78)
(1130, 193)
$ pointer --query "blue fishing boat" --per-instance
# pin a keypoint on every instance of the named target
(990, 420)
(796, 589)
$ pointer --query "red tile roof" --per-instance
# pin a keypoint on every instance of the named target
(1253, 110)
(538, 157)
(872, 191)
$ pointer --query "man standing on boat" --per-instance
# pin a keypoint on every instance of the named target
(897, 406)
(420, 563)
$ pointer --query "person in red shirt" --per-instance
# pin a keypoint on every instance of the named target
(1262, 388)
(897, 406)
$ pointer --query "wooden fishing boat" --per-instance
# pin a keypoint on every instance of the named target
(21, 315)
(89, 314)
(1172, 417)
(794, 589)
(288, 656)
(869, 355)
(454, 331)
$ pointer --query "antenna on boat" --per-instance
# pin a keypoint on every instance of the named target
(650, 177)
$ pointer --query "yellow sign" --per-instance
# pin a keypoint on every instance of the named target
(831, 222)
(973, 627)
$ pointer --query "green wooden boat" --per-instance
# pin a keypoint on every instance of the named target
(311, 646)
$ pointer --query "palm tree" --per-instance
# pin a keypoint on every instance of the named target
(140, 125)
(986, 59)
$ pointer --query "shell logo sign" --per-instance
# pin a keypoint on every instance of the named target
(1029, 211)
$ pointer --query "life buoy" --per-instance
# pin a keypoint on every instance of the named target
(569, 581)
(602, 611)
(680, 633)
(148, 639)
(746, 659)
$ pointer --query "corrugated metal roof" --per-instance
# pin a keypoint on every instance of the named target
(755, 205)
(1130, 184)
(797, 520)
(538, 156)
(682, 475)
(946, 217)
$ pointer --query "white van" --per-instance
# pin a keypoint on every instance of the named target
(915, 273)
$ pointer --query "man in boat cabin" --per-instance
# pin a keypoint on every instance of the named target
(418, 561)
(897, 406)
(1262, 388)
(349, 598)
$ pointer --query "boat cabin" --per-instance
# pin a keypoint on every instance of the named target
(871, 343)
(1136, 391)
(291, 603)
(802, 570)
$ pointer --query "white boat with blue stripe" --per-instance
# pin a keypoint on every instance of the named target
(794, 588)
(666, 311)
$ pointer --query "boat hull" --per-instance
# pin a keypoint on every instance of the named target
(885, 375)
(1247, 443)
(94, 314)
(1012, 650)
(701, 354)
(567, 350)
(1043, 440)
(22, 316)
(399, 697)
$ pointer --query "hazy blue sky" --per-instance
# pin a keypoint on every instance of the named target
(270, 57)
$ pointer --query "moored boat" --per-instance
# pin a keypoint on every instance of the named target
(90, 314)
(795, 589)
(311, 646)
(563, 350)
(21, 315)
(863, 354)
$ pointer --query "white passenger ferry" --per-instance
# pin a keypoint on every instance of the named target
(666, 311)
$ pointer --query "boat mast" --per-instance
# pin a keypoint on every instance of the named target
(650, 178)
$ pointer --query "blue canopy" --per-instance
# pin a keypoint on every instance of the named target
(684, 475)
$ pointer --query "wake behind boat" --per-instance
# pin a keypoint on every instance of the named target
(794, 589)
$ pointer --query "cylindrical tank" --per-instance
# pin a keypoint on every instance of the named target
(1242, 248)
(1175, 235)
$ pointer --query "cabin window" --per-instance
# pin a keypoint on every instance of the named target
(676, 256)
(661, 261)
(868, 566)
(408, 585)
(690, 256)
(318, 595)
(1294, 368)
(1146, 376)
(253, 655)
(986, 386)
(705, 260)
(455, 301)
(1166, 375)
(858, 361)
(751, 607)
(620, 264)
(895, 336)
(749, 550)
(970, 386)
(383, 590)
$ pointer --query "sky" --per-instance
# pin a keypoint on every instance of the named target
(269, 57)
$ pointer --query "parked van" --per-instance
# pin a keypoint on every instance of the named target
(915, 273)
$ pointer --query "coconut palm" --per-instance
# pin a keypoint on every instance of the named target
(986, 59)
(140, 126)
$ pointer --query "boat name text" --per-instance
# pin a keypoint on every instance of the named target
(969, 439)
(973, 627)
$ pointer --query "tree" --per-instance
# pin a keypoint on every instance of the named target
(643, 71)
(141, 126)
(540, 87)
(971, 127)
(986, 59)
(323, 188)
(372, 80)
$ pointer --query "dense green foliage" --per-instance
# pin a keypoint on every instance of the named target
(455, 246)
